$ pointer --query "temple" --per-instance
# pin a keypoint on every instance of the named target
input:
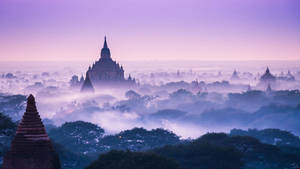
(31, 147)
(87, 86)
(287, 77)
(107, 72)
(267, 77)
(235, 75)
(269, 90)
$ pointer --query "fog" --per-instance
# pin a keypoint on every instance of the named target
(188, 98)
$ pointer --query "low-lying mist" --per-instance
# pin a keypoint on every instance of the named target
(187, 102)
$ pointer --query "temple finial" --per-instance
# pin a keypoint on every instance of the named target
(268, 70)
(105, 52)
(105, 43)
(31, 107)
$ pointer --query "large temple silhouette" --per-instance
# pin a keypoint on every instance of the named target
(31, 147)
(106, 72)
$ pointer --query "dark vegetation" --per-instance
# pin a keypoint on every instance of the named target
(270, 136)
(87, 138)
(211, 151)
(12, 105)
(79, 143)
(216, 151)
(7, 131)
(132, 160)
(139, 139)
(79, 136)
(202, 154)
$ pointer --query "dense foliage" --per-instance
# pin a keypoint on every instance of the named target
(69, 159)
(79, 136)
(7, 126)
(201, 154)
(7, 131)
(132, 160)
(216, 151)
(87, 138)
(139, 139)
(270, 136)
(12, 105)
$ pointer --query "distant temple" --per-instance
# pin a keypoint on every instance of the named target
(75, 82)
(235, 75)
(31, 147)
(107, 72)
(269, 90)
(249, 89)
(288, 77)
(87, 86)
(267, 77)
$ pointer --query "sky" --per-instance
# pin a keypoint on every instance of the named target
(74, 30)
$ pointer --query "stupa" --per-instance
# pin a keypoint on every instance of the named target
(267, 77)
(235, 75)
(31, 147)
(87, 86)
(108, 73)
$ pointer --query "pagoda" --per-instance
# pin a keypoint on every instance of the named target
(107, 72)
(267, 77)
(269, 90)
(235, 75)
(31, 147)
(87, 86)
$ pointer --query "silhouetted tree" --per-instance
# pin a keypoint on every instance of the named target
(132, 160)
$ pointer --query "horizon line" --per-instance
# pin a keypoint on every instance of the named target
(157, 60)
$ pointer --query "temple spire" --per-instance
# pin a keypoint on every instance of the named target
(268, 70)
(105, 52)
(105, 43)
(31, 107)
(87, 86)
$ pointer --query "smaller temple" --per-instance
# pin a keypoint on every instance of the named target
(195, 86)
(87, 86)
(249, 89)
(267, 77)
(290, 77)
(269, 90)
(31, 147)
(287, 77)
(81, 79)
(235, 75)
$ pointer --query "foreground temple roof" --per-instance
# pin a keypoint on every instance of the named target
(31, 147)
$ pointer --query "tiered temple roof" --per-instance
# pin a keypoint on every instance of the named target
(267, 77)
(107, 72)
(31, 147)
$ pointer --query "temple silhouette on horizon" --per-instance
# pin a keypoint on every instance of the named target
(106, 72)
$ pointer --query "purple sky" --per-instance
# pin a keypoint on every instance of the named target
(59, 30)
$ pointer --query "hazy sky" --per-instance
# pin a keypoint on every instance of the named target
(150, 29)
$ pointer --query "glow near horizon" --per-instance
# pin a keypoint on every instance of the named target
(150, 30)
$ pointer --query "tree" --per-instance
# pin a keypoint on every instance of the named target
(132, 160)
